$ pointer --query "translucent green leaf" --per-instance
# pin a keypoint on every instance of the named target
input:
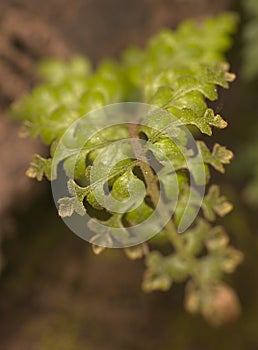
(194, 239)
(69, 205)
(177, 268)
(39, 167)
(137, 251)
(220, 155)
(156, 277)
(217, 302)
(77, 191)
(75, 166)
(139, 214)
(214, 204)
(231, 258)
(217, 239)
(105, 231)
(204, 122)
(56, 72)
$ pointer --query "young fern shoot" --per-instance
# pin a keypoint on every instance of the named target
(177, 72)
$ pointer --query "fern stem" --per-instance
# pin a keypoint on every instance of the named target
(153, 190)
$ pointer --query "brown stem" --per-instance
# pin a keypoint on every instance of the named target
(153, 190)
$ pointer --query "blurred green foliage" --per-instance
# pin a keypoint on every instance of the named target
(250, 40)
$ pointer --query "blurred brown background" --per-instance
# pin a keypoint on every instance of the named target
(55, 294)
